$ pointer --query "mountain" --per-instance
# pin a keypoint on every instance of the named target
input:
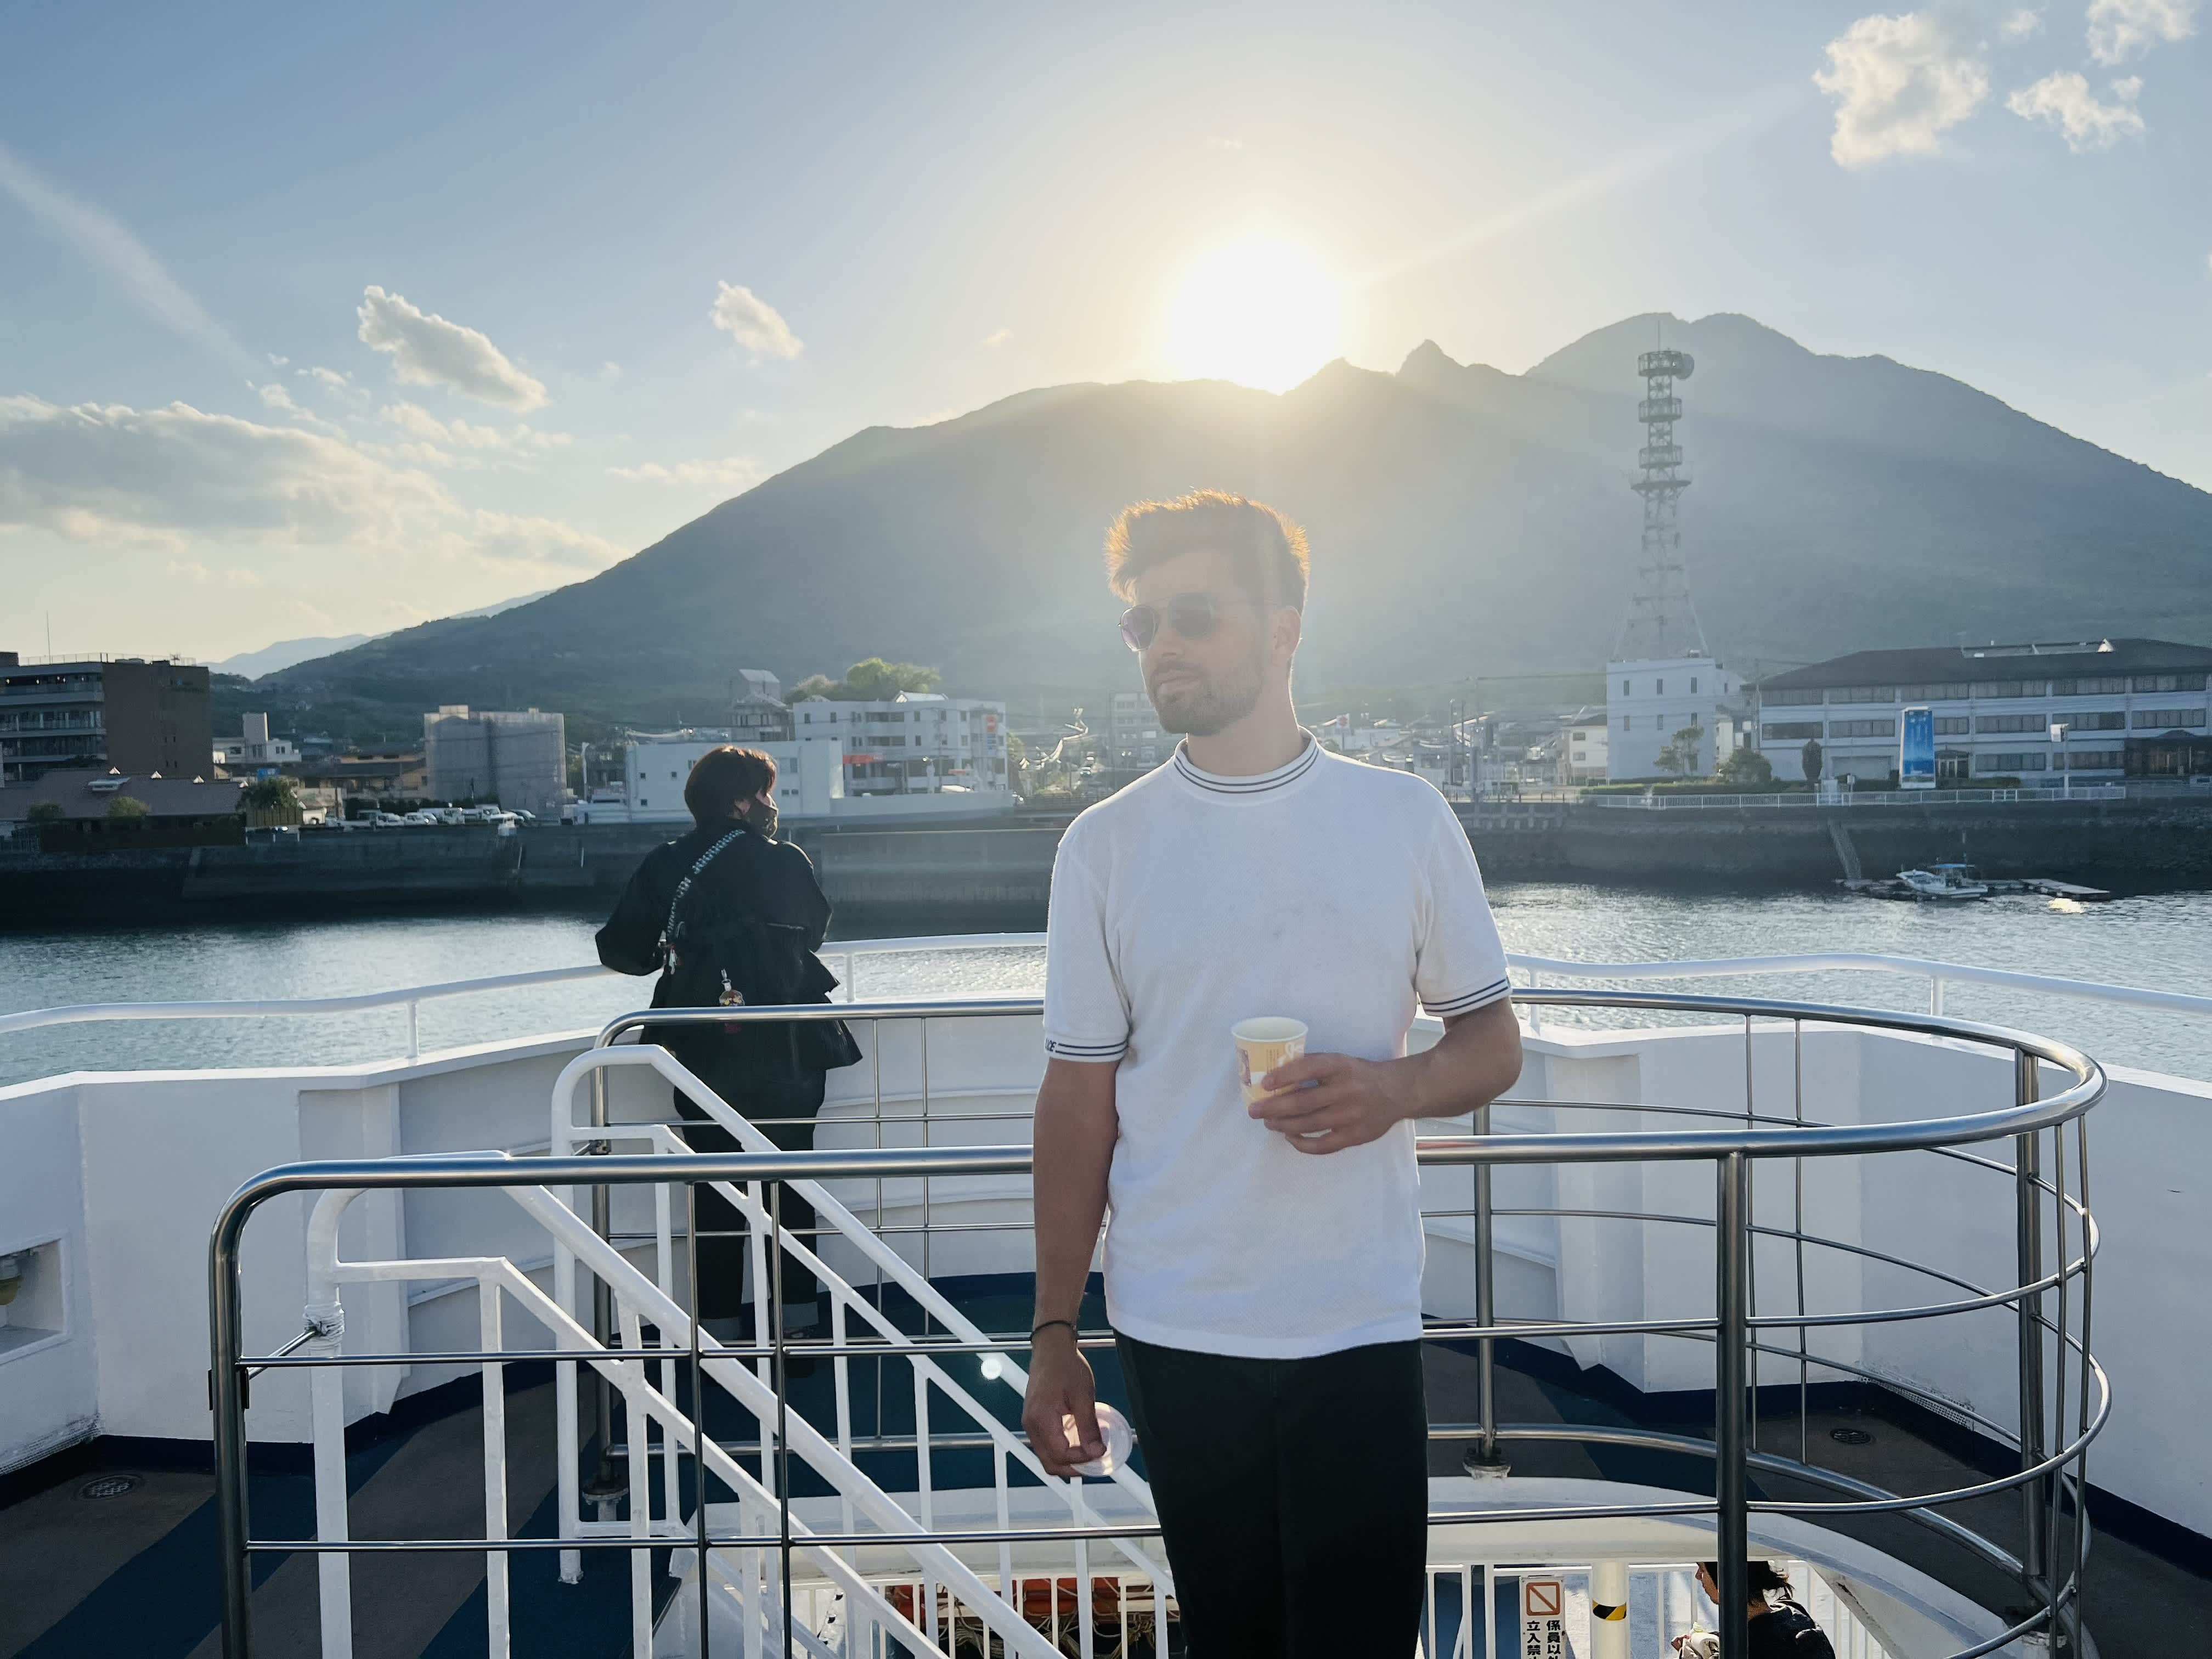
(285, 653)
(253, 664)
(1464, 521)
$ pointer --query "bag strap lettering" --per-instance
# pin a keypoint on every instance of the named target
(668, 930)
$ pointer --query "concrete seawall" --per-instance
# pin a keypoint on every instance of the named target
(1000, 875)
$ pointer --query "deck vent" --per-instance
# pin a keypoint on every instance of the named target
(1851, 1436)
(111, 1485)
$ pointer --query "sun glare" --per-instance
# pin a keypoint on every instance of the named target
(1263, 312)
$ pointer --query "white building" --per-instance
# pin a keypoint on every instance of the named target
(1133, 734)
(253, 750)
(920, 743)
(520, 760)
(1648, 702)
(810, 776)
(1584, 747)
(2136, 707)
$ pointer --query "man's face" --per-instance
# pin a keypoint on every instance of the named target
(1200, 685)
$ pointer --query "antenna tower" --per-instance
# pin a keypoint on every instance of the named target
(1661, 621)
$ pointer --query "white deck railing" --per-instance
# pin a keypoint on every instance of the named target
(850, 955)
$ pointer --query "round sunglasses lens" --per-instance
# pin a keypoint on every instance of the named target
(1140, 627)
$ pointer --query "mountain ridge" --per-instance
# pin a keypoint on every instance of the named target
(1465, 521)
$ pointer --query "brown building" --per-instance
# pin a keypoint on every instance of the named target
(135, 715)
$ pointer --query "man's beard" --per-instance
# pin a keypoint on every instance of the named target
(1203, 706)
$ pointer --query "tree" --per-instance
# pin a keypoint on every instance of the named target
(1810, 760)
(874, 680)
(128, 809)
(271, 794)
(1017, 764)
(814, 685)
(1682, 752)
(1745, 766)
(48, 812)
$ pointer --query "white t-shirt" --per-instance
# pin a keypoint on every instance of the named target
(1328, 891)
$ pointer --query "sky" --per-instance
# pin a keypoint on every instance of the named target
(321, 320)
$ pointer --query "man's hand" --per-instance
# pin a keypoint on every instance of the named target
(1062, 1385)
(1334, 1101)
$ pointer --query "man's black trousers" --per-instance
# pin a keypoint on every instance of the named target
(1294, 1495)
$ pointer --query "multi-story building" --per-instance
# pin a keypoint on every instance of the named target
(809, 776)
(1581, 752)
(132, 714)
(2124, 708)
(1648, 701)
(253, 750)
(1133, 743)
(519, 759)
(919, 743)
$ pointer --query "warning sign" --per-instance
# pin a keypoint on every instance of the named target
(1543, 1618)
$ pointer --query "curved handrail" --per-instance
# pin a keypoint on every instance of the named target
(1700, 968)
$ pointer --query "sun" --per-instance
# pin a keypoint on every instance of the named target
(1262, 310)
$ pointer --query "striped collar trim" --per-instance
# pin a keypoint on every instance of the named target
(1261, 783)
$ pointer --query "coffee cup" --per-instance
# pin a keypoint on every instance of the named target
(1262, 1045)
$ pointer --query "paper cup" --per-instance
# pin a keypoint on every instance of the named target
(1262, 1046)
(1114, 1429)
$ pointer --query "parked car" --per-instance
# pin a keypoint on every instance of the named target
(381, 820)
(486, 815)
(419, 818)
(447, 814)
(524, 817)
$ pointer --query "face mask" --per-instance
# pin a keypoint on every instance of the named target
(761, 818)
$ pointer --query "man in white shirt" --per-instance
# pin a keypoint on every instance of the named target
(1263, 1263)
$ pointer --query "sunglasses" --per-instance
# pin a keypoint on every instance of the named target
(1193, 616)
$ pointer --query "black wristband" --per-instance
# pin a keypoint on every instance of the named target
(1048, 1324)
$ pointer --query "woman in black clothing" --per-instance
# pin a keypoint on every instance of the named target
(1779, 1628)
(736, 868)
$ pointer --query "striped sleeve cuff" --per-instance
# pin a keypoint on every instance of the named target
(1094, 1053)
(1467, 1003)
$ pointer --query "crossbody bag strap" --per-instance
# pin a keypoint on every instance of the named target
(668, 929)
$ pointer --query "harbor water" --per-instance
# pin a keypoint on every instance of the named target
(2161, 942)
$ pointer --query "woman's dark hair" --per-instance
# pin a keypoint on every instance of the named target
(721, 778)
(1761, 1575)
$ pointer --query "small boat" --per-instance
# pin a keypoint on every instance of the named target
(1944, 881)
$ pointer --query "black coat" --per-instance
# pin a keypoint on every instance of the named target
(772, 879)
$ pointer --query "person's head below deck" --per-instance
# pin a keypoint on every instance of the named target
(730, 783)
(1215, 586)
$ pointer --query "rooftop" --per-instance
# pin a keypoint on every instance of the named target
(85, 794)
(1938, 663)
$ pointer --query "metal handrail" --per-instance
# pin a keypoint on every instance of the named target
(1936, 972)
(2044, 1479)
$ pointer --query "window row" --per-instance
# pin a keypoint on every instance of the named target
(1798, 697)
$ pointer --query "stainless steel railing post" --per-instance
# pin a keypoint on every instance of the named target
(1731, 1480)
(227, 1398)
(1486, 1298)
(2027, 1165)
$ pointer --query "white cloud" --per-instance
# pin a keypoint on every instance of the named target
(167, 477)
(753, 323)
(239, 577)
(276, 398)
(2065, 101)
(731, 471)
(1900, 83)
(275, 361)
(2120, 29)
(998, 337)
(2021, 24)
(428, 350)
(103, 240)
(335, 382)
(437, 440)
(610, 370)
(189, 570)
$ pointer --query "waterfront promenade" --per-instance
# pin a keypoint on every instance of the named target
(1000, 874)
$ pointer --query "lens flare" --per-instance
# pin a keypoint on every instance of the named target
(1262, 310)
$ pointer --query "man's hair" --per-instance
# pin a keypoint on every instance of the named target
(721, 778)
(1267, 550)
